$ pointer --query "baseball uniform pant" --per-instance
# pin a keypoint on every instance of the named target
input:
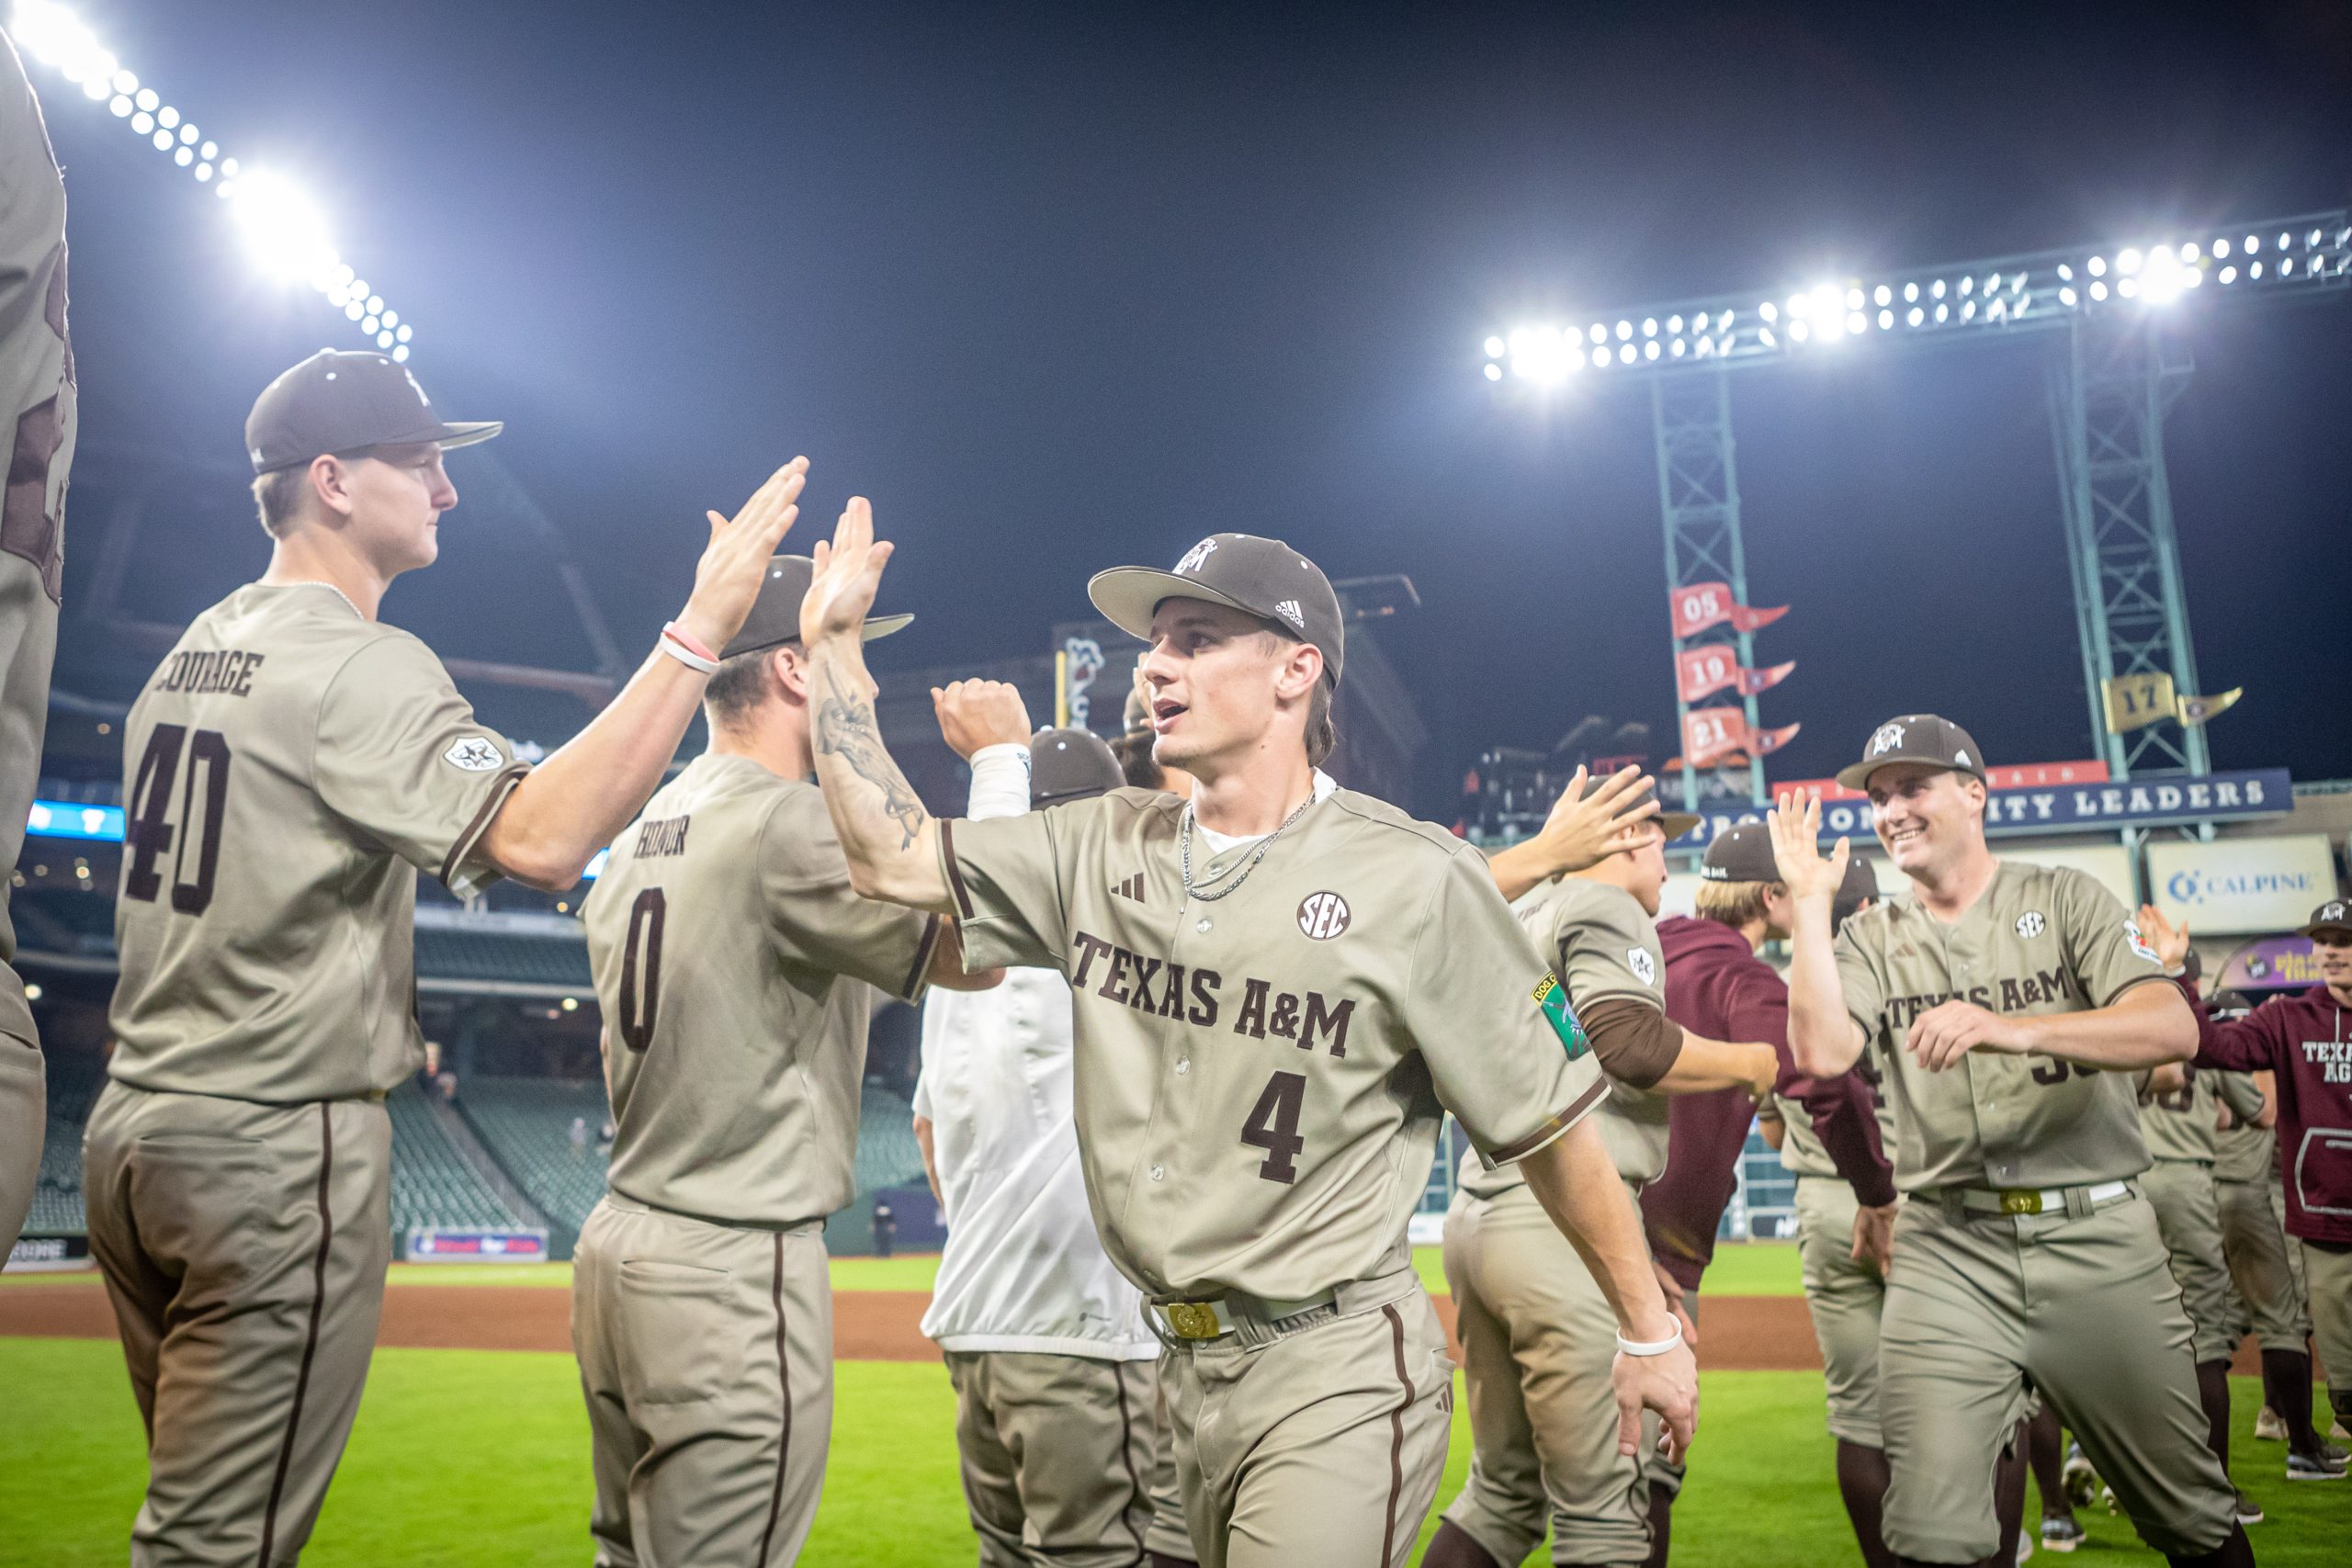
(1538, 1341)
(706, 1358)
(2188, 1218)
(1167, 1535)
(24, 1119)
(1844, 1298)
(243, 1247)
(1058, 1456)
(1318, 1441)
(2082, 1307)
(2265, 1267)
(2327, 1271)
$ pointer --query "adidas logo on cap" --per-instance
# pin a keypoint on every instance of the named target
(1289, 611)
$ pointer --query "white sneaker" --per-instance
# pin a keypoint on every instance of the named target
(2270, 1426)
(2025, 1546)
(2060, 1533)
(2082, 1480)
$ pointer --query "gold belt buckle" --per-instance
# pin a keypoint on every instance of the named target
(1193, 1320)
(2020, 1201)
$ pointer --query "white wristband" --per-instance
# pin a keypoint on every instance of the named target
(692, 660)
(999, 781)
(1649, 1346)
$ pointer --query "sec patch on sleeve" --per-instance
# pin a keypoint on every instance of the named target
(1552, 1001)
(475, 754)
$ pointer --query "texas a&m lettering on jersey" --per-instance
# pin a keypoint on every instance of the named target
(1260, 1077)
(2039, 940)
(1159, 986)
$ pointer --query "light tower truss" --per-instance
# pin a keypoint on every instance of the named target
(2114, 379)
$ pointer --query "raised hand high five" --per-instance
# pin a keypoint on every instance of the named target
(848, 575)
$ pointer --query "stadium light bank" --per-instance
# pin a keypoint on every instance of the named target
(283, 228)
(2309, 253)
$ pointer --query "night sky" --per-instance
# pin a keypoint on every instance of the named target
(1067, 289)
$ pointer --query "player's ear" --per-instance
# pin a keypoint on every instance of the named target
(1302, 667)
(331, 478)
(789, 666)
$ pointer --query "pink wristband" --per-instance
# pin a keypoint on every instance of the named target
(687, 640)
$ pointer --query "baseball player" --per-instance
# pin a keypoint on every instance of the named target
(732, 963)
(1056, 1390)
(287, 769)
(36, 388)
(2265, 1269)
(1716, 984)
(2179, 1109)
(1535, 1355)
(2306, 1041)
(2005, 1005)
(1278, 986)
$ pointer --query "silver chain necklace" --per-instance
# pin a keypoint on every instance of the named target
(1184, 853)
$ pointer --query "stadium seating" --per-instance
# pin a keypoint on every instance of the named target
(526, 1125)
(432, 1183)
(888, 1155)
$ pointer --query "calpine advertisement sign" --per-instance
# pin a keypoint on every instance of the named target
(2242, 884)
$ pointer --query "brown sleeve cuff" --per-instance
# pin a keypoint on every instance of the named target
(1519, 1148)
(1636, 1044)
(955, 872)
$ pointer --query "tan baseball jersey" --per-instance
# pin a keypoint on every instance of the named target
(36, 388)
(2041, 939)
(2182, 1125)
(1260, 1078)
(287, 770)
(731, 962)
(2245, 1152)
(1603, 945)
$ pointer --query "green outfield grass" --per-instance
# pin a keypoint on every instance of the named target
(1758, 1269)
(466, 1456)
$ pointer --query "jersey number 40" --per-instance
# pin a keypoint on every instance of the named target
(150, 833)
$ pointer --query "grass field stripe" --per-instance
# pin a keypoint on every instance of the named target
(310, 1339)
(1396, 1438)
(784, 1381)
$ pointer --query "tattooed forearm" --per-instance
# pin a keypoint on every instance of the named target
(845, 728)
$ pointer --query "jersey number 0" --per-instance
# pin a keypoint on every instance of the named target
(150, 832)
(640, 996)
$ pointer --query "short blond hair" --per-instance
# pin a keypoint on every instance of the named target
(278, 496)
(1734, 904)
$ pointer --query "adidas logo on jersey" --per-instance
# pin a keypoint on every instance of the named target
(1131, 889)
(1289, 611)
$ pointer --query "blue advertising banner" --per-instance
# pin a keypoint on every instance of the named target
(2063, 808)
(428, 1244)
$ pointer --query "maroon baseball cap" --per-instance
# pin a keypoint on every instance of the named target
(347, 401)
(1259, 577)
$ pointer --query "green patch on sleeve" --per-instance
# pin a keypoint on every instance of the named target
(1552, 1001)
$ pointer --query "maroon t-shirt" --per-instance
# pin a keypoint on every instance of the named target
(1716, 987)
(2306, 1040)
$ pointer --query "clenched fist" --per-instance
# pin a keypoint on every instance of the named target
(976, 713)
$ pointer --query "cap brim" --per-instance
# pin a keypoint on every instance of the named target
(1674, 824)
(875, 626)
(467, 434)
(1857, 776)
(2313, 929)
(1128, 594)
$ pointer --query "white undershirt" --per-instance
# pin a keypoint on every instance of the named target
(1224, 843)
(1022, 1268)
